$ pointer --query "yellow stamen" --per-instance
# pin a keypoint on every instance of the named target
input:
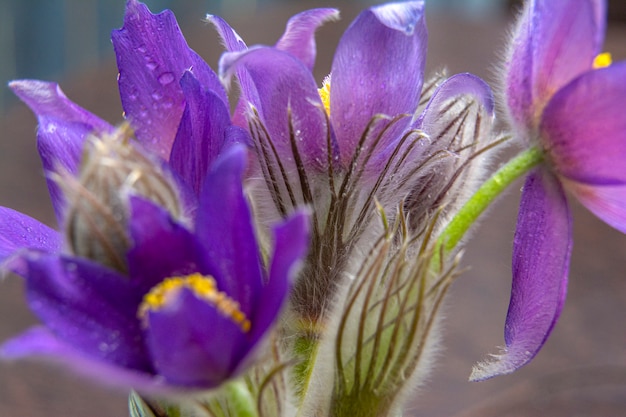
(325, 94)
(203, 287)
(602, 60)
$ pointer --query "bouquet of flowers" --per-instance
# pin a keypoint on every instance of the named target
(248, 243)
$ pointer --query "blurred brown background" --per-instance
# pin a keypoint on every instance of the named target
(580, 372)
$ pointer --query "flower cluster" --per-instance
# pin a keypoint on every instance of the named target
(290, 257)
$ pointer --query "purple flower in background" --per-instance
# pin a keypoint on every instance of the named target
(158, 252)
(559, 99)
(373, 132)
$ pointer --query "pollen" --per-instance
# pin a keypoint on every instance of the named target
(602, 60)
(324, 93)
(203, 287)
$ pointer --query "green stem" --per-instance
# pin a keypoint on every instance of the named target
(486, 194)
(240, 399)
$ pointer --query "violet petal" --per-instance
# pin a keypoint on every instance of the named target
(556, 41)
(378, 69)
(152, 56)
(291, 242)
(584, 128)
(63, 127)
(541, 255)
(299, 36)
(19, 231)
(201, 134)
(162, 247)
(40, 342)
(608, 202)
(224, 227)
(192, 343)
(90, 307)
(283, 92)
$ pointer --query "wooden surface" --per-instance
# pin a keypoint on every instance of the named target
(582, 369)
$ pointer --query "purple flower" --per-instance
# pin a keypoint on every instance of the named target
(158, 252)
(559, 101)
(374, 132)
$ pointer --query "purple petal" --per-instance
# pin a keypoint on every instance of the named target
(224, 226)
(284, 93)
(162, 247)
(63, 127)
(291, 243)
(299, 36)
(541, 255)
(378, 69)
(19, 231)
(231, 39)
(202, 132)
(192, 343)
(608, 202)
(584, 128)
(90, 307)
(40, 342)
(556, 41)
(152, 56)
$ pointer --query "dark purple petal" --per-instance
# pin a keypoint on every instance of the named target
(90, 307)
(19, 231)
(202, 133)
(63, 127)
(291, 243)
(541, 255)
(584, 129)
(608, 202)
(556, 41)
(40, 342)
(378, 69)
(282, 85)
(299, 36)
(152, 56)
(192, 343)
(162, 248)
(224, 226)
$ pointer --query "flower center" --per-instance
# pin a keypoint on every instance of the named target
(324, 93)
(602, 60)
(203, 287)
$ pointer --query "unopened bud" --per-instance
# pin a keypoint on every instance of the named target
(113, 168)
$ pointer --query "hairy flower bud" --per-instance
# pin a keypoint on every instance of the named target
(112, 169)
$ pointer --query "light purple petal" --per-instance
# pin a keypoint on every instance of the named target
(282, 87)
(19, 231)
(63, 127)
(201, 135)
(299, 36)
(608, 202)
(152, 56)
(90, 307)
(378, 69)
(39, 342)
(291, 243)
(224, 227)
(556, 41)
(541, 255)
(584, 128)
(231, 39)
(192, 343)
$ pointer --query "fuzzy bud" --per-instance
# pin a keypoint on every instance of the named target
(112, 169)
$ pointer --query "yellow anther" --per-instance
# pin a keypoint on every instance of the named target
(602, 60)
(325, 94)
(203, 287)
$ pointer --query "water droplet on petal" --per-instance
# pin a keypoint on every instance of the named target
(166, 78)
(151, 65)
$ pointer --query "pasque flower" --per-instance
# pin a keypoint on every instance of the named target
(560, 101)
(158, 252)
(373, 132)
